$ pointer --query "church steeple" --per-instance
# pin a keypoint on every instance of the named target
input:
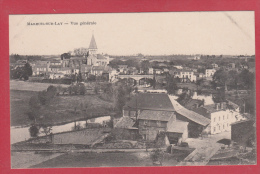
(92, 46)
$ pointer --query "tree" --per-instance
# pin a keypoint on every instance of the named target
(220, 78)
(42, 96)
(172, 85)
(27, 71)
(247, 79)
(65, 56)
(119, 98)
(82, 89)
(145, 66)
(79, 77)
(81, 51)
(46, 129)
(34, 131)
(51, 91)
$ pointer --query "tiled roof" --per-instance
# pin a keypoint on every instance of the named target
(125, 122)
(156, 115)
(202, 111)
(151, 101)
(191, 115)
(92, 44)
(177, 126)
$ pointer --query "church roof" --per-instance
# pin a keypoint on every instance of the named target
(92, 44)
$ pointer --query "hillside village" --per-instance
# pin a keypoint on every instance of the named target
(160, 105)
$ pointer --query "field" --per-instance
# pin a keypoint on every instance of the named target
(30, 86)
(61, 109)
(20, 106)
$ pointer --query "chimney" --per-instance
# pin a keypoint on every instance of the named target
(196, 105)
(216, 106)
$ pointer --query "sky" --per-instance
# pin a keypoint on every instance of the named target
(156, 33)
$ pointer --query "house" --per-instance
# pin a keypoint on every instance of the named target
(210, 72)
(150, 71)
(132, 70)
(55, 62)
(232, 65)
(163, 109)
(221, 116)
(124, 129)
(214, 65)
(97, 70)
(158, 71)
(122, 69)
(185, 75)
(40, 69)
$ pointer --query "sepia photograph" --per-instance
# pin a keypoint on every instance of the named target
(132, 89)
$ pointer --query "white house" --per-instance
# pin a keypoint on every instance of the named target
(185, 75)
(210, 72)
(221, 116)
(150, 71)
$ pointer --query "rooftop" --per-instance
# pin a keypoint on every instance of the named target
(191, 115)
(156, 115)
(150, 101)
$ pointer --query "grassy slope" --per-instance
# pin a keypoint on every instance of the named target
(95, 160)
(59, 110)
(19, 106)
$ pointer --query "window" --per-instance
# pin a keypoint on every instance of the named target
(214, 120)
(223, 126)
(219, 118)
(223, 117)
(218, 127)
(158, 123)
(145, 122)
(214, 129)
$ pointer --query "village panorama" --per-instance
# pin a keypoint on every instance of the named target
(87, 109)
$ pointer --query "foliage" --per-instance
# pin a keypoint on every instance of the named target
(157, 155)
(80, 51)
(65, 56)
(34, 131)
(119, 98)
(145, 66)
(172, 85)
(82, 89)
(21, 72)
(46, 129)
(220, 77)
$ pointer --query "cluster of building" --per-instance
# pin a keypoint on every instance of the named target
(150, 115)
(89, 64)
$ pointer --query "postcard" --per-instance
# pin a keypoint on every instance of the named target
(132, 89)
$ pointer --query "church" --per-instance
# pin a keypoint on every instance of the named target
(95, 59)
